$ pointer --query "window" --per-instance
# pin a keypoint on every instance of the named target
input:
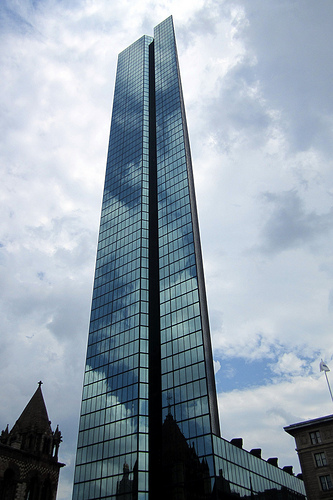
(326, 483)
(315, 437)
(320, 459)
(8, 485)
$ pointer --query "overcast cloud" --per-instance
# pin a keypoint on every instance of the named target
(257, 79)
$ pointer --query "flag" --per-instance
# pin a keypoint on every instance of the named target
(323, 367)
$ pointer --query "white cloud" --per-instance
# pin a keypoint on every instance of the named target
(256, 79)
(289, 364)
(258, 415)
(288, 226)
(217, 366)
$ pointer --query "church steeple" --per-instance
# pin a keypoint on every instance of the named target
(32, 431)
(30, 441)
(34, 416)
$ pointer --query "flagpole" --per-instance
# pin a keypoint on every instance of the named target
(329, 387)
(324, 368)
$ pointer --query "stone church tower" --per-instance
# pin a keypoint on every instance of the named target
(29, 467)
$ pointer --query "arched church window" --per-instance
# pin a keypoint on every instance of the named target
(47, 490)
(46, 445)
(33, 489)
(8, 485)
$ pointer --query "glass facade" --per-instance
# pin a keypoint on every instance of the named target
(185, 370)
(149, 422)
(114, 416)
(239, 473)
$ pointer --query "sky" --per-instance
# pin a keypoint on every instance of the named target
(257, 78)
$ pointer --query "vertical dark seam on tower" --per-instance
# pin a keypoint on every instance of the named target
(155, 389)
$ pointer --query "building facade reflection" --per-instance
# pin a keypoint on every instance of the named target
(149, 347)
(127, 487)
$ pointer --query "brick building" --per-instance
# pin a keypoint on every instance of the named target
(314, 445)
(29, 467)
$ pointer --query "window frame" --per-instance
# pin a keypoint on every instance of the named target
(315, 437)
(320, 459)
(326, 482)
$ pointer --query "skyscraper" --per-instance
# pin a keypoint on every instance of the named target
(149, 419)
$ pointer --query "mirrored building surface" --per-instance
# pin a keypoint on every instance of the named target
(149, 378)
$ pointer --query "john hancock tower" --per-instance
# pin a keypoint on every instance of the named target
(149, 419)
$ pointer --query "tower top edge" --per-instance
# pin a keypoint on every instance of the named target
(149, 38)
(167, 20)
(143, 39)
